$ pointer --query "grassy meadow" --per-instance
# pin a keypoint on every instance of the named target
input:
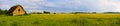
(61, 20)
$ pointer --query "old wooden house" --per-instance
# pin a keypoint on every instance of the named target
(16, 10)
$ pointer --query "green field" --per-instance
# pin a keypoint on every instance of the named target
(61, 20)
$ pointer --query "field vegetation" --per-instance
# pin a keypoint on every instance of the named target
(61, 20)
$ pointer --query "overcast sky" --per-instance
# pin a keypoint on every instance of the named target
(64, 5)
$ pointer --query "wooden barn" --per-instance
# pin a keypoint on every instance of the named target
(16, 10)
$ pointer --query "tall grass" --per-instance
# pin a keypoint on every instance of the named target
(61, 20)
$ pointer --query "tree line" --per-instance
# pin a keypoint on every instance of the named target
(2, 11)
(47, 12)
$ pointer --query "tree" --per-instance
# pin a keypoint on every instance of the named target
(54, 13)
(93, 12)
(45, 12)
(80, 13)
(2, 11)
(35, 13)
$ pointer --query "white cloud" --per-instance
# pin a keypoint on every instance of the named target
(109, 5)
(100, 5)
(4, 6)
(91, 5)
(97, 5)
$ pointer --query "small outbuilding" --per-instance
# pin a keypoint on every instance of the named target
(16, 10)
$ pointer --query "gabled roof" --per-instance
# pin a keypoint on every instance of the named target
(13, 8)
